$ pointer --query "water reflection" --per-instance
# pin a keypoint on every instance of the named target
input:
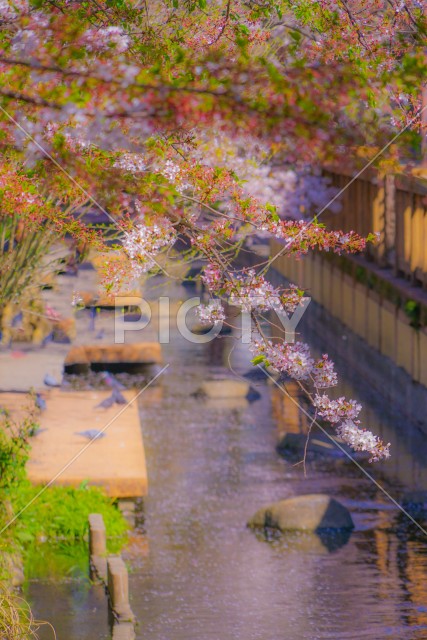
(319, 542)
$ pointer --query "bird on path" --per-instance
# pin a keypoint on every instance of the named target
(50, 381)
(118, 397)
(91, 434)
(115, 398)
(107, 403)
(40, 402)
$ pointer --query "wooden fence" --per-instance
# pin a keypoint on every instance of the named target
(395, 206)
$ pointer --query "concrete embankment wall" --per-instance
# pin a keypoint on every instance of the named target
(379, 342)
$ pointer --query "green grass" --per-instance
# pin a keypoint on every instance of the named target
(60, 514)
(51, 535)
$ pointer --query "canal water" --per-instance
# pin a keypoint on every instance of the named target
(198, 573)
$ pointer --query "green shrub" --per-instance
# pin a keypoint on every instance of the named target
(14, 447)
(413, 311)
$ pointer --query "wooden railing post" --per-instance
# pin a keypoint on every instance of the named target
(113, 573)
(123, 631)
(118, 589)
(377, 222)
(390, 221)
(97, 546)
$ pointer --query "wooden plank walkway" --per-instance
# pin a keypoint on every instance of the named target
(115, 461)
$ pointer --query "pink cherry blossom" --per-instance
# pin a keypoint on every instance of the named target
(336, 410)
(106, 37)
(144, 242)
(363, 440)
(324, 375)
(212, 313)
(292, 359)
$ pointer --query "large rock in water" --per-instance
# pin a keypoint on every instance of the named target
(313, 512)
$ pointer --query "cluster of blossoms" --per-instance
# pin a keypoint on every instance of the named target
(25, 41)
(295, 361)
(363, 440)
(299, 361)
(337, 410)
(105, 38)
(299, 237)
(75, 139)
(252, 292)
(144, 242)
(323, 373)
(131, 162)
(309, 193)
(343, 413)
(295, 193)
(212, 277)
(291, 298)
(174, 173)
(10, 10)
(212, 313)
(202, 39)
(19, 196)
